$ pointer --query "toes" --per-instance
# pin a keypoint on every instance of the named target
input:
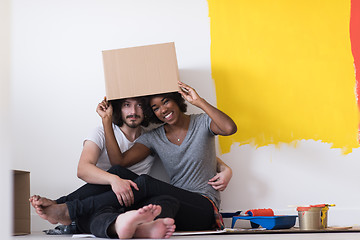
(34, 198)
(169, 221)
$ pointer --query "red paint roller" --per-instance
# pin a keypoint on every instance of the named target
(260, 212)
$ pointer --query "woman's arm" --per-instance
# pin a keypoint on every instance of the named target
(135, 154)
(221, 123)
(222, 178)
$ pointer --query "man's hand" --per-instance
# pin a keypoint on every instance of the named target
(220, 181)
(123, 191)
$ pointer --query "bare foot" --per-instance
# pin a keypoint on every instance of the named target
(127, 223)
(56, 213)
(160, 228)
(39, 203)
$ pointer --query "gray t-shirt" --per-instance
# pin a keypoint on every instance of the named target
(193, 163)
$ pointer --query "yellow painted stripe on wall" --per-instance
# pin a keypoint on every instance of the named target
(283, 70)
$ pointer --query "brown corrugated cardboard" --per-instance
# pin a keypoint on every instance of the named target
(21, 184)
(138, 71)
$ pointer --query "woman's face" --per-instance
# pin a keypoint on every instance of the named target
(165, 109)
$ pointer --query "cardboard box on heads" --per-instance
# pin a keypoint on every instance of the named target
(139, 71)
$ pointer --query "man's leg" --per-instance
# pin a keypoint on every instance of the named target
(47, 208)
(88, 189)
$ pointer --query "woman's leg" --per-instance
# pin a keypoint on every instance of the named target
(88, 189)
(99, 222)
(139, 223)
(195, 212)
(169, 205)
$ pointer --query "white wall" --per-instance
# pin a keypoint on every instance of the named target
(275, 177)
(57, 81)
(5, 176)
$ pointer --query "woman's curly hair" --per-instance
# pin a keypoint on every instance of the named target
(117, 116)
(175, 96)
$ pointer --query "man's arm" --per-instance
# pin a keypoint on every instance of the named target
(222, 178)
(90, 173)
(87, 169)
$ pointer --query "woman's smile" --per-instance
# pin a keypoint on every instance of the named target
(169, 116)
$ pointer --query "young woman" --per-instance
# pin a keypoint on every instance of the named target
(186, 146)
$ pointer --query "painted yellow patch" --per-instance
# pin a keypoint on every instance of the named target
(283, 71)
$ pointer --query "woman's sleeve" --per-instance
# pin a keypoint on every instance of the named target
(145, 140)
(207, 121)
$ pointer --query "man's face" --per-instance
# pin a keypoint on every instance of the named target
(132, 113)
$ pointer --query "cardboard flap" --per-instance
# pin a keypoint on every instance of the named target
(21, 205)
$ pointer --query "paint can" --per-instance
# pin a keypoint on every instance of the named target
(310, 218)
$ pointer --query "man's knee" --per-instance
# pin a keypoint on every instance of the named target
(144, 178)
(122, 172)
(115, 169)
(145, 183)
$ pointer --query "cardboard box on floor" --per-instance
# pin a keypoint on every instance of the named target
(21, 205)
(139, 71)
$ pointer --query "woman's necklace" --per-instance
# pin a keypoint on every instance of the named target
(178, 136)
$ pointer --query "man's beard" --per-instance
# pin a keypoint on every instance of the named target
(132, 124)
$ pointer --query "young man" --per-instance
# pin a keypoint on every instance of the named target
(94, 162)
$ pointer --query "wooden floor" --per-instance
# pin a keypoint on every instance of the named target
(250, 236)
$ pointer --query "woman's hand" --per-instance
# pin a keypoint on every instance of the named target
(104, 109)
(221, 123)
(123, 191)
(220, 181)
(189, 94)
(222, 178)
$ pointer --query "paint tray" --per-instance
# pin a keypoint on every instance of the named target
(268, 222)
